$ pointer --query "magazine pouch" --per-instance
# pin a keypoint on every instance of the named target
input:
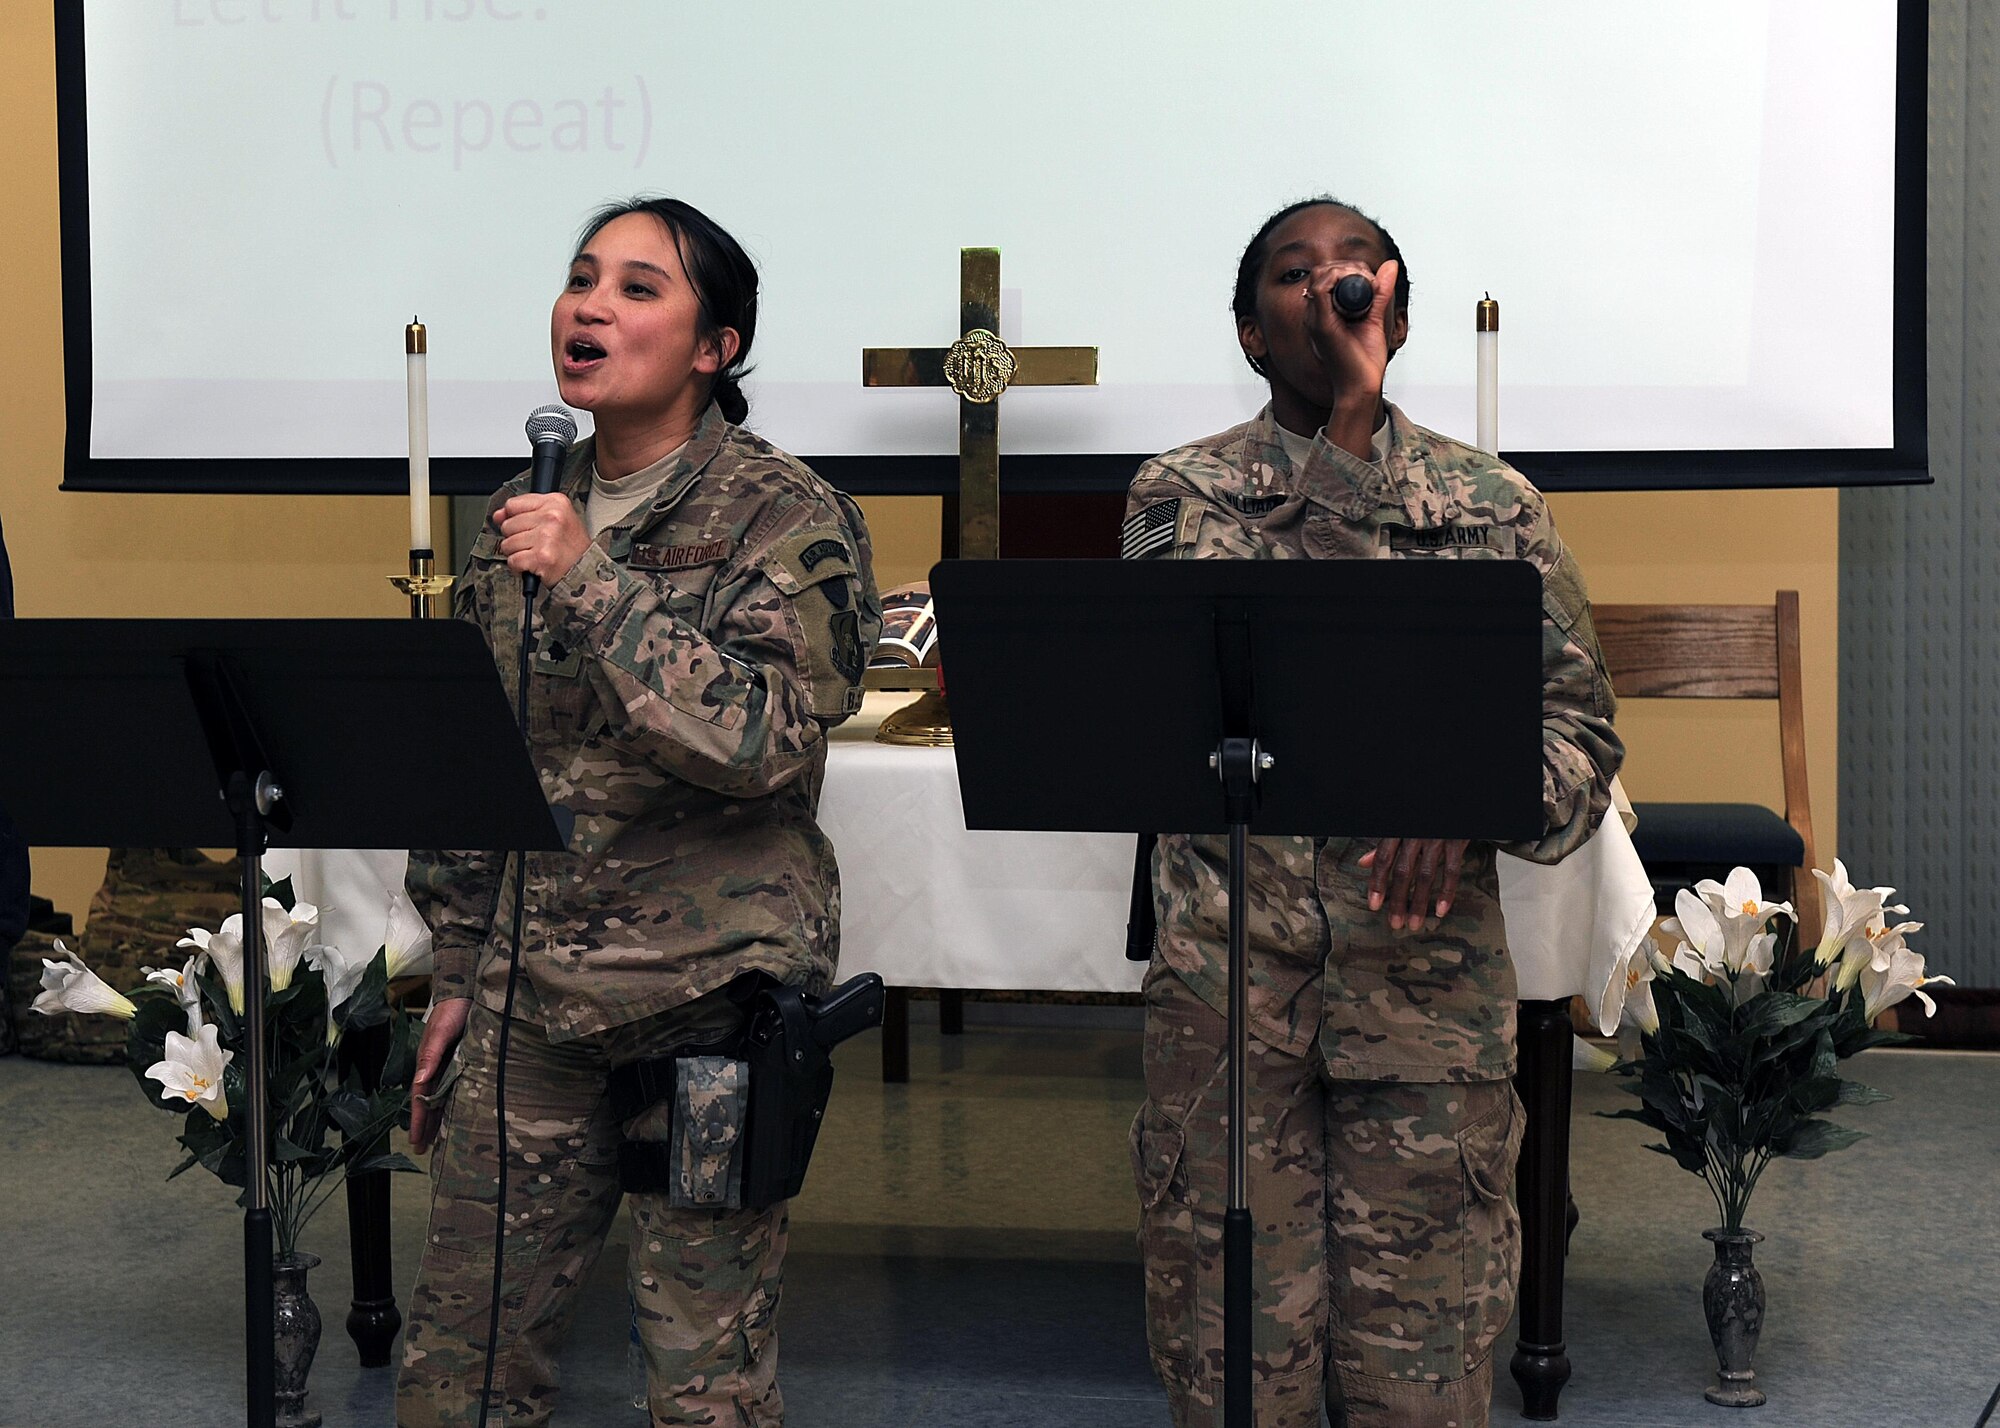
(711, 1103)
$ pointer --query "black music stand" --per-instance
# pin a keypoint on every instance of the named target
(315, 734)
(1282, 697)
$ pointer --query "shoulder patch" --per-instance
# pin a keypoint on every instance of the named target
(827, 548)
(1150, 530)
(810, 556)
(848, 655)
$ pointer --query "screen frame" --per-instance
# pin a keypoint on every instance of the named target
(1907, 462)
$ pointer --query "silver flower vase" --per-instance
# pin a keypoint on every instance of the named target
(297, 1333)
(1732, 1298)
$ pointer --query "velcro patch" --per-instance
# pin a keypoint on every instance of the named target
(848, 655)
(1151, 529)
(1441, 538)
(678, 557)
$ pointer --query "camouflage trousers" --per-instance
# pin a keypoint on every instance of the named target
(1386, 1248)
(705, 1282)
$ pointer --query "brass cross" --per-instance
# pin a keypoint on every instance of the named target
(979, 367)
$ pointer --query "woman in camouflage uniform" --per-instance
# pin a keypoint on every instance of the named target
(705, 614)
(1382, 1125)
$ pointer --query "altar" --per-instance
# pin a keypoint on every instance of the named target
(925, 902)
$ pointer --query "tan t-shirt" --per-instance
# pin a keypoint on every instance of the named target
(612, 501)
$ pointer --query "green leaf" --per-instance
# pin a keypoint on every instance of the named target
(280, 892)
(401, 1062)
(394, 1161)
(1769, 1013)
(349, 1111)
(1853, 1093)
(1812, 1139)
(1862, 1040)
(369, 1004)
(215, 1005)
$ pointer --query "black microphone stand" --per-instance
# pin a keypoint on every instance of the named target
(256, 805)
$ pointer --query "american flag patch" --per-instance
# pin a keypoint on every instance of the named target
(1152, 529)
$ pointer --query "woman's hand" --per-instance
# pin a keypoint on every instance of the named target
(1414, 879)
(1353, 356)
(441, 1037)
(541, 535)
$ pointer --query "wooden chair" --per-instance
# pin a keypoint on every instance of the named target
(1721, 652)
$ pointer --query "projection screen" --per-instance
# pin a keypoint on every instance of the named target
(1702, 219)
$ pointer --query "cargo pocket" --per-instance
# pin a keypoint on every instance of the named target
(1167, 1242)
(1492, 1243)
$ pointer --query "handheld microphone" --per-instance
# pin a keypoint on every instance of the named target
(1353, 295)
(550, 431)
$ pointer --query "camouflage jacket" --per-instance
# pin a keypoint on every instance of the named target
(1383, 1005)
(685, 674)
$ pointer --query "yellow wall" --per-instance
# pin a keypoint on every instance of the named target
(108, 555)
(1717, 547)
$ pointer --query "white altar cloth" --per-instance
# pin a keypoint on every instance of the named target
(928, 903)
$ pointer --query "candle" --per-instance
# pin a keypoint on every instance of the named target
(1486, 322)
(415, 343)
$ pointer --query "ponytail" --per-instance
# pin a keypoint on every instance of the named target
(727, 393)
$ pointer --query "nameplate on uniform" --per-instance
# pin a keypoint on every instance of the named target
(1434, 539)
(678, 557)
(1253, 506)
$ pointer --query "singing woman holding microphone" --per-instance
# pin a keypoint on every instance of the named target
(705, 612)
(1382, 1126)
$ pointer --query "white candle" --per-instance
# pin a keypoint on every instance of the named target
(1486, 323)
(415, 343)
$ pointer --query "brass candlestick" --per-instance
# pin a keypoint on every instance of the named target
(422, 583)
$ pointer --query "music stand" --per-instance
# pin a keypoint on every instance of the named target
(315, 733)
(1288, 697)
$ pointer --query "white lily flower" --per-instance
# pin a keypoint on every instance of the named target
(1873, 950)
(1847, 911)
(1628, 1001)
(1902, 975)
(1700, 931)
(1588, 1056)
(184, 987)
(343, 973)
(287, 935)
(1740, 911)
(1691, 963)
(69, 986)
(407, 944)
(1757, 961)
(193, 1070)
(223, 950)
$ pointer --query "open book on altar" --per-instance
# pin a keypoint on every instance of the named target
(906, 655)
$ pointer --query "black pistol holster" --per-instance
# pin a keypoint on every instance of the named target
(785, 1049)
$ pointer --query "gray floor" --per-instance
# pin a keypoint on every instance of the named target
(964, 1256)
